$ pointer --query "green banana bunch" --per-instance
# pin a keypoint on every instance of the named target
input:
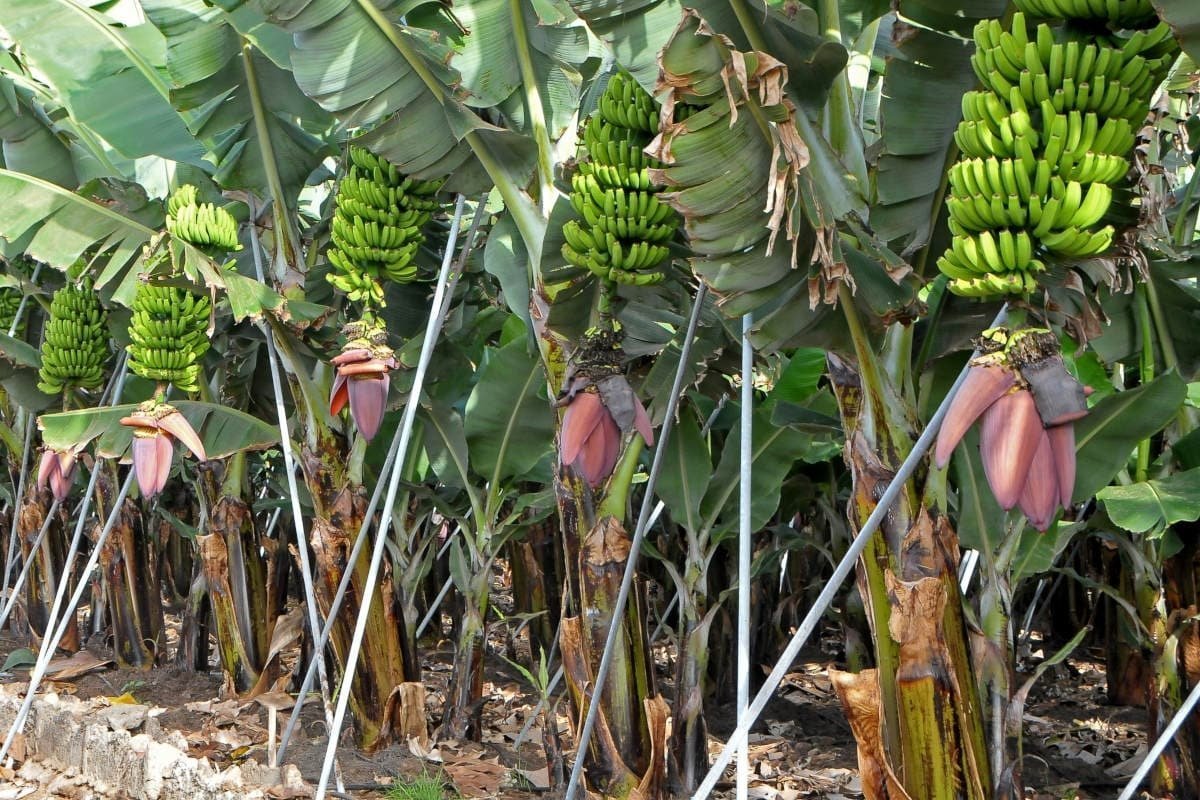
(200, 224)
(168, 335)
(75, 347)
(10, 302)
(623, 230)
(1122, 13)
(1044, 141)
(377, 226)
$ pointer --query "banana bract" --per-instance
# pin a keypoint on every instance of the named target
(1044, 139)
(168, 335)
(75, 348)
(377, 226)
(623, 230)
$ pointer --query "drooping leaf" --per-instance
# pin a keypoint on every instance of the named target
(64, 225)
(30, 143)
(233, 93)
(1152, 506)
(223, 431)
(686, 472)
(21, 354)
(104, 74)
(1106, 437)
(1184, 18)
(508, 419)
(358, 61)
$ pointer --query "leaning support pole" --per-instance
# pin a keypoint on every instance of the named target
(11, 556)
(51, 644)
(37, 542)
(23, 473)
(85, 506)
(639, 533)
(1164, 739)
(369, 515)
(289, 465)
(745, 550)
(432, 329)
(840, 573)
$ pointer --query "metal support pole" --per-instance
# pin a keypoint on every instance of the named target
(745, 550)
(1161, 744)
(639, 533)
(49, 646)
(289, 464)
(410, 414)
(369, 515)
(840, 573)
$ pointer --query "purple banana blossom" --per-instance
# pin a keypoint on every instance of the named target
(362, 382)
(156, 427)
(57, 470)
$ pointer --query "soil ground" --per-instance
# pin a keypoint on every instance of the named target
(1075, 744)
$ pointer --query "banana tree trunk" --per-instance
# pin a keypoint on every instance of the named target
(338, 513)
(46, 569)
(920, 726)
(129, 563)
(464, 697)
(627, 751)
(239, 583)
(1177, 670)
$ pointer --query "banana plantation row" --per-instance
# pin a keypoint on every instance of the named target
(343, 308)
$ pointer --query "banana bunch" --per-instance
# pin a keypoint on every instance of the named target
(1042, 144)
(75, 348)
(200, 224)
(377, 226)
(168, 335)
(623, 230)
(10, 301)
(1123, 13)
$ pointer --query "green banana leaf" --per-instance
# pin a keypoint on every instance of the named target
(508, 419)
(31, 144)
(1184, 18)
(223, 431)
(1108, 435)
(231, 73)
(106, 75)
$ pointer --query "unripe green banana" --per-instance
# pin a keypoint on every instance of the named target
(1043, 141)
(376, 228)
(201, 224)
(75, 346)
(168, 334)
(623, 228)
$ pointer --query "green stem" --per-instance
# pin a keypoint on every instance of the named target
(617, 496)
(235, 474)
(279, 205)
(533, 101)
(308, 391)
(529, 222)
(1181, 222)
(608, 290)
(1147, 373)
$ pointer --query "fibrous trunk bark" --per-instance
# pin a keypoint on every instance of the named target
(45, 572)
(375, 701)
(129, 562)
(925, 710)
(625, 753)
(1177, 671)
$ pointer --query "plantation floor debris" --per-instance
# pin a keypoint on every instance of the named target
(1076, 744)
